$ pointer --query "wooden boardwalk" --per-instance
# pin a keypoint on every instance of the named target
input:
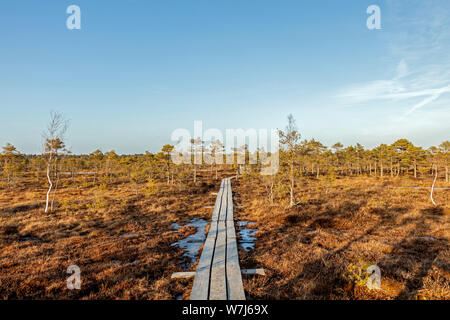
(218, 275)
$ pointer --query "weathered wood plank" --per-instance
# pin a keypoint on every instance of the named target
(235, 287)
(218, 285)
(215, 214)
(223, 207)
(200, 288)
(183, 275)
(231, 231)
(212, 233)
(230, 211)
(254, 271)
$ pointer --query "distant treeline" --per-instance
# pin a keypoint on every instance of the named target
(310, 157)
(297, 158)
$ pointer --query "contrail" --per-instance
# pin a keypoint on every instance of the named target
(431, 98)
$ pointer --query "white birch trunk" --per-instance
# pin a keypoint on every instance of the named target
(50, 183)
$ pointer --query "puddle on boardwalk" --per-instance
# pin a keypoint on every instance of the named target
(191, 244)
(247, 239)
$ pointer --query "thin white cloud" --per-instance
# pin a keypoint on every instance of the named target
(402, 69)
(419, 36)
(396, 90)
(437, 93)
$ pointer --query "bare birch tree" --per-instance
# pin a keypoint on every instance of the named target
(53, 145)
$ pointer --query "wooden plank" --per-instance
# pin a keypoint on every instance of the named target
(223, 206)
(218, 285)
(231, 232)
(183, 275)
(235, 287)
(202, 275)
(230, 211)
(212, 233)
(254, 271)
(215, 214)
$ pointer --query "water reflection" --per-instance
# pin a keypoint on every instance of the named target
(191, 244)
(247, 235)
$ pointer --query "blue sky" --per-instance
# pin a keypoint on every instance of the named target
(138, 70)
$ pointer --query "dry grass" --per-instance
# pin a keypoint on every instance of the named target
(121, 241)
(307, 251)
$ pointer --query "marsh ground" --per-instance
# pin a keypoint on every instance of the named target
(321, 248)
(120, 240)
(318, 249)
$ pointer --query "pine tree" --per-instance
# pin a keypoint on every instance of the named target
(289, 139)
(10, 157)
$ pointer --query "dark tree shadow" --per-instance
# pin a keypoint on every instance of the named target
(414, 254)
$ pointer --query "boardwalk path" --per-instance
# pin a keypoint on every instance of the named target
(218, 275)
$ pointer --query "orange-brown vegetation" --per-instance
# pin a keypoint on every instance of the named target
(120, 240)
(311, 250)
(322, 219)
